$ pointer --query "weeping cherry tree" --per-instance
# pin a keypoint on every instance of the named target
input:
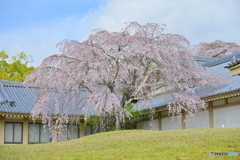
(109, 67)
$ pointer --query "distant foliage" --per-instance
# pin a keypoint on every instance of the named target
(137, 116)
(216, 49)
(96, 124)
(110, 66)
(15, 68)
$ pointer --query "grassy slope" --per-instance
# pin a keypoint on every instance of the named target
(137, 144)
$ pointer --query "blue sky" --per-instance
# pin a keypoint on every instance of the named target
(25, 14)
(36, 26)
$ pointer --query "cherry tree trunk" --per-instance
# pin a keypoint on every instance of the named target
(117, 123)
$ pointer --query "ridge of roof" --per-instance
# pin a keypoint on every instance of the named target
(221, 60)
(203, 58)
(222, 92)
(11, 83)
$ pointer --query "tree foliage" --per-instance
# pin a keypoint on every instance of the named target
(15, 68)
(106, 122)
(216, 49)
(110, 66)
(96, 124)
(137, 116)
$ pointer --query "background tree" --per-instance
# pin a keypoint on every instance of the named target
(15, 68)
(137, 116)
(96, 124)
(216, 49)
(109, 66)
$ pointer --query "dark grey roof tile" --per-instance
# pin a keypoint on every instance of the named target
(233, 63)
(24, 99)
(222, 60)
(203, 59)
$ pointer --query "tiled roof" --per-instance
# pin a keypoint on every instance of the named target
(15, 98)
(203, 59)
(157, 101)
(232, 85)
(219, 67)
(222, 60)
(233, 63)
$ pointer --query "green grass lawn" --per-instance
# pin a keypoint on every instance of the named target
(136, 144)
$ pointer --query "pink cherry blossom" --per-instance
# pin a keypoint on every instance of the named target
(100, 74)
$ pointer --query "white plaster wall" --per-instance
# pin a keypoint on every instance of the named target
(228, 117)
(234, 99)
(219, 102)
(201, 120)
(147, 125)
(170, 123)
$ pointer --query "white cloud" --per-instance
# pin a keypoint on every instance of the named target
(197, 20)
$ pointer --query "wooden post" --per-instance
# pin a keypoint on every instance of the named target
(210, 112)
(2, 128)
(159, 121)
(226, 101)
(183, 120)
(25, 132)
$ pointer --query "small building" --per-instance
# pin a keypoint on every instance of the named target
(16, 124)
